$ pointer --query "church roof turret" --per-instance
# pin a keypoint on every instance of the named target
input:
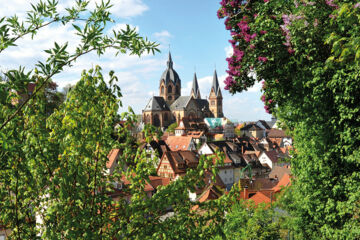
(170, 74)
(215, 85)
(195, 91)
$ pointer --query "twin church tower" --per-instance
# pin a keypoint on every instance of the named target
(170, 106)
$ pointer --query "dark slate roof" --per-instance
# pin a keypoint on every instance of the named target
(203, 104)
(180, 103)
(215, 84)
(195, 88)
(170, 74)
(157, 103)
(251, 127)
(264, 123)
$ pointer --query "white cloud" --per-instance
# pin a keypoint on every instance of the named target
(163, 38)
(229, 51)
(128, 8)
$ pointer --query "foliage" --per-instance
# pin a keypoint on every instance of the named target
(53, 178)
(171, 128)
(307, 53)
(248, 221)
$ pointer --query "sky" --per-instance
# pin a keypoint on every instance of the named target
(190, 29)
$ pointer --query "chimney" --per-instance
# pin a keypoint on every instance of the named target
(245, 192)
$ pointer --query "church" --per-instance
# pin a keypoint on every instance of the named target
(170, 106)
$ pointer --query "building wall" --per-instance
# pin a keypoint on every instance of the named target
(227, 176)
(165, 169)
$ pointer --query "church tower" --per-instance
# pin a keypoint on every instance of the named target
(215, 98)
(170, 83)
(195, 91)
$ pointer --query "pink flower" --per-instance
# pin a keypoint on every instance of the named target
(262, 59)
(357, 5)
(291, 51)
(255, 15)
(263, 32)
(266, 1)
(252, 46)
(331, 4)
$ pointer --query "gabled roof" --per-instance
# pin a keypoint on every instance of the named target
(251, 127)
(195, 91)
(284, 182)
(272, 155)
(112, 156)
(180, 103)
(276, 133)
(181, 160)
(157, 104)
(264, 123)
(176, 143)
(260, 198)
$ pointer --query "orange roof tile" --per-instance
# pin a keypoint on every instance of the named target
(158, 181)
(284, 182)
(112, 156)
(176, 143)
(260, 198)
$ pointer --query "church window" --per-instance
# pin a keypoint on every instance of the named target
(169, 89)
(162, 90)
(212, 102)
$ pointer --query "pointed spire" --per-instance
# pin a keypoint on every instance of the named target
(195, 91)
(215, 84)
(170, 62)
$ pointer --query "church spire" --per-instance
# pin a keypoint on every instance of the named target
(170, 62)
(195, 91)
(215, 84)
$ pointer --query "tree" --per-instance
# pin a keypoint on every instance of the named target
(307, 54)
(248, 221)
(171, 128)
(53, 178)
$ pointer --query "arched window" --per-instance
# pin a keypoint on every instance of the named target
(162, 90)
(156, 121)
(178, 90)
(169, 89)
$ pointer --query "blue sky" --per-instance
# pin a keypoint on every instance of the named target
(197, 38)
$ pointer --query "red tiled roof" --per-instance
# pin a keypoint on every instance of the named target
(276, 133)
(176, 143)
(284, 182)
(158, 181)
(260, 198)
(112, 156)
